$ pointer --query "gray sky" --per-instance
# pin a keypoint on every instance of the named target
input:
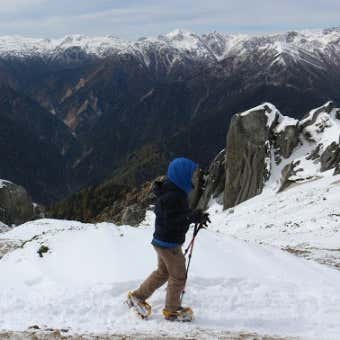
(131, 19)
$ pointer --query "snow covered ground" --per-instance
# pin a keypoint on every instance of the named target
(304, 219)
(82, 281)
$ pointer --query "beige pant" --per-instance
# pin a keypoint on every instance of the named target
(171, 268)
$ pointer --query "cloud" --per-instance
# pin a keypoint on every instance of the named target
(132, 18)
(12, 6)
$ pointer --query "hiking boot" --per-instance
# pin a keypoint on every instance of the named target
(141, 307)
(183, 314)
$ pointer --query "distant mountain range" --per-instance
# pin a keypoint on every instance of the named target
(177, 46)
(78, 108)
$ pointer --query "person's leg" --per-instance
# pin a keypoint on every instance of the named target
(175, 263)
(155, 280)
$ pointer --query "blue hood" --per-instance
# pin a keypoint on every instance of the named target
(180, 172)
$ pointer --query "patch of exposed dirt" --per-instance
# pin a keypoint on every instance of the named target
(325, 256)
(53, 334)
(7, 246)
(296, 251)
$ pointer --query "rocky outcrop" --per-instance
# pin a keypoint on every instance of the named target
(214, 182)
(321, 130)
(246, 153)
(288, 173)
(330, 158)
(337, 115)
(260, 134)
(315, 154)
(286, 140)
(337, 170)
(198, 181)
(15, 204)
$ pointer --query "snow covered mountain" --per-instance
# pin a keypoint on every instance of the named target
(305, 45)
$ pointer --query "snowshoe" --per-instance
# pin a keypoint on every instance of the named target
(183, 314)
(140, 307)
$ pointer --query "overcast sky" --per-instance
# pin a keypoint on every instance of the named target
(131, 19)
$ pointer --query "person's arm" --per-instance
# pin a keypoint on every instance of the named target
(177, 210)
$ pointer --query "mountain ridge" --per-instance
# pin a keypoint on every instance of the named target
(213, 45)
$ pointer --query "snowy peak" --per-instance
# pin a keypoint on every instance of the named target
(185, 41)
(181, 35)
(272, 113)
(95, 45)
(4, 183)
(212, 46)
(22, 46)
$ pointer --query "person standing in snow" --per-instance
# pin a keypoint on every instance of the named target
(173, 217)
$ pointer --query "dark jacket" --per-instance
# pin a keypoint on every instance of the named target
(172, 213)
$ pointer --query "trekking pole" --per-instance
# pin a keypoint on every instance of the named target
(190, 249)
(196, 230)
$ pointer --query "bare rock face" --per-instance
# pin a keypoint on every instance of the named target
(315, 154)
(214, 182)
(15, 204)
(337, 115)
(288, 172)
(246, 153)
(286, 140)
(330, 157)
(337, 170)
(195, 195)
